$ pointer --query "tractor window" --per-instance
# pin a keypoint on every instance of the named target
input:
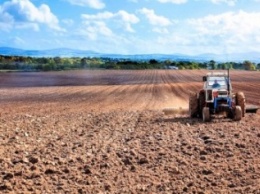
(221, 80)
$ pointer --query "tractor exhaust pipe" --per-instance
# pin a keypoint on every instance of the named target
(228, 81)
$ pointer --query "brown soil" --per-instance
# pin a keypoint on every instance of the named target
(105, 132)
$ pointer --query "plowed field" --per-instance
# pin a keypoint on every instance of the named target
(104, 132)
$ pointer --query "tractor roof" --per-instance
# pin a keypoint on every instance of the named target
(217, 74)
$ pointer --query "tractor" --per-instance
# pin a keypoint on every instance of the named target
(217, 97)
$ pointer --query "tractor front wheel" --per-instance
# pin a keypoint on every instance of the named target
(238, 113)
(241, 101)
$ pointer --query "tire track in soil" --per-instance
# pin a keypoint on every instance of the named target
(178, 95)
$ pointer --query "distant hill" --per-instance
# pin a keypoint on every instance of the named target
(65, 52)
(61, 52)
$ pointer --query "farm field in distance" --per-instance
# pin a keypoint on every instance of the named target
(103, 131)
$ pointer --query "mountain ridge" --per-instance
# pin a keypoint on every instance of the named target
(67, 52)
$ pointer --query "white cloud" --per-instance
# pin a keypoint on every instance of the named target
(126, 17)
(6, 21)
(121, 17)
(106, 31)
(96, 4)
(99, 37)
(94, 29)
(232, 31)
(18, 41)
(99, 16)
(173, 1)
(68, 22)
(229, 2)
(22, 25)
(230, 23)
(155, 19)
(258, 39)
(222, 33)
(161, 30)
(24, 13)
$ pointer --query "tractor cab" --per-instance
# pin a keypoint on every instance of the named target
(216, 86)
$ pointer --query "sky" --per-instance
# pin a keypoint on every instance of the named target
(132, 26)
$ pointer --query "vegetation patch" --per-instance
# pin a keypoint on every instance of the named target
(21, 63)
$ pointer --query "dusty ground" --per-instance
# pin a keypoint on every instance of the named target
(104, 132)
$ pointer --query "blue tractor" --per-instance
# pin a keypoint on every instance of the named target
(216, 97)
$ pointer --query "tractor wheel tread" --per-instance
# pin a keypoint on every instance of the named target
(238, 113)
(193, 105)
(201, 102)
(206, 114)
(241, 101)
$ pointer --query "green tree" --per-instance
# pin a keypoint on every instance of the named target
(224, 66)
(51, 65)
(57, 60)
(84, 62)
(248, 65)
(213, 64)
(168, 63)
(194, 65)
(153, 61)
(258, 66)
(229, 65)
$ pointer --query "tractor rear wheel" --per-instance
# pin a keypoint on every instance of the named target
(241, 101)
(193, 105)
(238, 113)
(206, 114)
(202, 102)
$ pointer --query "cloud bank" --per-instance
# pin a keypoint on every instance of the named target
(96, 4)
(24, 14)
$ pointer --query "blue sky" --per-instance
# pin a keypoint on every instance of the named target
(132, 26)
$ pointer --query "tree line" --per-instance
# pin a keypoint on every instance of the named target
(67, 63)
